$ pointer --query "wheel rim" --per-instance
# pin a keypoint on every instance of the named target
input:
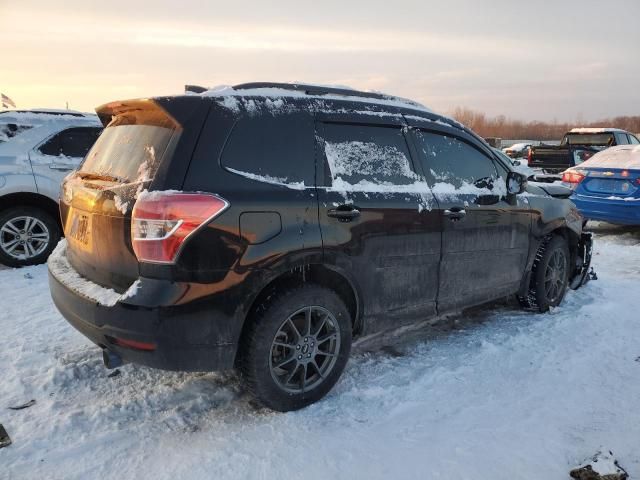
(305, 349)
(555, 276)
(24, 237)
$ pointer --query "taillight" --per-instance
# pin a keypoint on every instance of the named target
(570, 176)
(162, 221)
(530, 157)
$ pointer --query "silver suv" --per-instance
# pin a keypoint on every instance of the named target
(37, 150)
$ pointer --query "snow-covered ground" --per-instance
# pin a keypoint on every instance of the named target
(503, 395)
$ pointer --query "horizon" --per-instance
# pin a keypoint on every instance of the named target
(499, 60)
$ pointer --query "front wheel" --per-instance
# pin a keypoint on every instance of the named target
(549, 275)
(27, 236)
(296, 347)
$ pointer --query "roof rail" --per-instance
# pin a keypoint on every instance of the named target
(194, 89)
(314, 89)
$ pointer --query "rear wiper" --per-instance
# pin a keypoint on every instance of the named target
(100, 176)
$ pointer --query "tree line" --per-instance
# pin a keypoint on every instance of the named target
(508, 128)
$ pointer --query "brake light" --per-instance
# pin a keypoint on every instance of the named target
(530, 156)
(162, 221)
(572, 177)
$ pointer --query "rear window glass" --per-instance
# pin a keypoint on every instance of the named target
(273, 149)
(367, 154)
(10, 130)
(128, 153)
(589, 139)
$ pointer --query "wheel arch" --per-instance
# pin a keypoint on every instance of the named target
(316, 273)
(30, 199)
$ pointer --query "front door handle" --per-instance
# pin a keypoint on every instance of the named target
(455, 213)
(344, 213)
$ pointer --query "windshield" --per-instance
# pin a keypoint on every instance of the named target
(127, 153)
(599, 139)
(10, 130)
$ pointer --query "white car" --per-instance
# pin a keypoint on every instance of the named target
(37, 150)
(517, 150)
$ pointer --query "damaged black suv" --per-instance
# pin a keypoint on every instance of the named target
(263, 227)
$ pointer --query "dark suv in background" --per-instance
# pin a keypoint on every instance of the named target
(265, 226)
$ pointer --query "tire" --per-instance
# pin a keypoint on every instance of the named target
(39, 238)
(549, 275)
(285, 368)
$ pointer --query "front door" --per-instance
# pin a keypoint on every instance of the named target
(485, 233)
(377, 218)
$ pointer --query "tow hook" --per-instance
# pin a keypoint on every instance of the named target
(111, 359)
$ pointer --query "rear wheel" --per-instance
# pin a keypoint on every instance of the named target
(549, 275)
(296, 347)
(27, 236)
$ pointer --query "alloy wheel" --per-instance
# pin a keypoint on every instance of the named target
(305, 349)
(24, 237)
(555, 276)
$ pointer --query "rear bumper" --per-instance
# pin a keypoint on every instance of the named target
(190, 337)
(612, 211)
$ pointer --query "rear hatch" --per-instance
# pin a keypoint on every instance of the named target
(613, 183)
(146, 145)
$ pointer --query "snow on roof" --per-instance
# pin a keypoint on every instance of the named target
(42, 115)
(622, 156)
(596, 130)
(277, 93)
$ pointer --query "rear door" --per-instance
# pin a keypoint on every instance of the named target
(378, 218)
(485, 239)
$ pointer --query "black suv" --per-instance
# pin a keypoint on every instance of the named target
(266, 226)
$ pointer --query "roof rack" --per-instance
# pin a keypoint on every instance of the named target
(314, 89)
(194, 89)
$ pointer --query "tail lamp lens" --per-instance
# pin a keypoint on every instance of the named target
(572, 177)
(530, 157)
(162, 221)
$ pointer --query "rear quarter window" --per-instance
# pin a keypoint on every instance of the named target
(272, 149)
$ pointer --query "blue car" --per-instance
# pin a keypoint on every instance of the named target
(607, 186)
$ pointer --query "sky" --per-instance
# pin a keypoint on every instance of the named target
(561, 60)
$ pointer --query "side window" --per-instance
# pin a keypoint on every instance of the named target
(365, 155)
(273, 149)
(621, 138)
(634, 140)
(72, 142)
(453, 161)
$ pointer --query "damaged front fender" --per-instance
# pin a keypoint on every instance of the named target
(581, 273)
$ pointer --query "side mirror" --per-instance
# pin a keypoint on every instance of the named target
(516, 163)
(516, 183)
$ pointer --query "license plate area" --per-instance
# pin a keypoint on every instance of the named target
(78, 229)
(608, 185)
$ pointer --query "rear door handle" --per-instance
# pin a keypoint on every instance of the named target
(344, 213)
(455, 213)
(61, 167)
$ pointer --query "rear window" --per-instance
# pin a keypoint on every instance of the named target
(10, 130)
(367, 155)
(272, 148)
(599, 139)
(128, 153)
